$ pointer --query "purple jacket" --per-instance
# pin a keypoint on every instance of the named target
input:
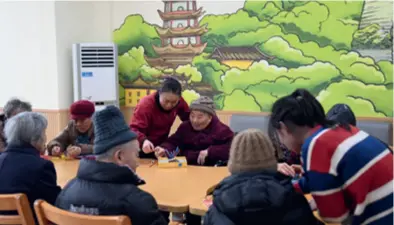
(216, 138)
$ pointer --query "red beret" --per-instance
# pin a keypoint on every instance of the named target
(81, 109)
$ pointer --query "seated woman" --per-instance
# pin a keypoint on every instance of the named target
(204, 140)
(22, 170)
(11, 108)
(77, 138)
(255, 193)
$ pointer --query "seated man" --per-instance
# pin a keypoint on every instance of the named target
(77, 138)
(204, 140)
(109, 184)
(22, 170)
(11, 108)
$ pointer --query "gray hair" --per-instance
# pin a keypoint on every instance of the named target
(14, 105)
(24, 128)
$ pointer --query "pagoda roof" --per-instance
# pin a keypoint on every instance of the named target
(190, 14)
(188, 31)
(187, 50)
(239, 53)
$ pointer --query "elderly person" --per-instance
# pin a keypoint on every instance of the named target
(109, 185)
(22, 170)
(203, 139)
(255, 193)
(11, 108)
(77, 138)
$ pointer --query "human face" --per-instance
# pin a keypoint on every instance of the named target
(200, 120)
(287, 138)
(168, 100)
(83, 125)
(128, 155)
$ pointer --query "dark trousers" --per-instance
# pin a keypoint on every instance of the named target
(190, 218)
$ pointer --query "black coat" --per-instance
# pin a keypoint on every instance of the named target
(22, 170)
(263, 198)
(108, 189)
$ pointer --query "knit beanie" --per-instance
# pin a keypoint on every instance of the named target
(110, 130)
(81, 109)
(204, 104)
(251, 150)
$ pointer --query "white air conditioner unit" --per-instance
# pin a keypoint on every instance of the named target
(96, 73)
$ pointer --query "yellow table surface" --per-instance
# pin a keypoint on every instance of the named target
(173, 188)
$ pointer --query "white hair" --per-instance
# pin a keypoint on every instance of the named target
(25, 128)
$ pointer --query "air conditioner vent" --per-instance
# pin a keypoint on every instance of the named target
(97, 57)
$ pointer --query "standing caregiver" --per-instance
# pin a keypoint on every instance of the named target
(155, 114)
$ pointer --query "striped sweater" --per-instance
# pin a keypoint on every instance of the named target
(349, 174)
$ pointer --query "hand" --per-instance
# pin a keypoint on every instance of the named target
(56, 151)
(285, 169)
(312, 204)
(147, 147)
(160, 152)
(298, 169)
(73, 151)
(202, 156)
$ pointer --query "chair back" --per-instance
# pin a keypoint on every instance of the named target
(16, 202)
(48, 214)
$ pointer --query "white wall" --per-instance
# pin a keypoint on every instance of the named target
(36, 39)
(77, 22)
(28, 65)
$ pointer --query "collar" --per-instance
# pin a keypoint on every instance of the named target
(103, 172)
(24, 149)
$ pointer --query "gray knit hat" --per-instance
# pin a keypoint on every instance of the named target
(251, 150)
(204, 104)
(110, 130)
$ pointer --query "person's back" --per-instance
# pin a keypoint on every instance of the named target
(108, 185)
(355, 171)
(255, 193)
(22, 170)
(107, 189)
(263, 197)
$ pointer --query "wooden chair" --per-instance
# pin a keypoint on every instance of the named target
(19, 203)
(48, 214)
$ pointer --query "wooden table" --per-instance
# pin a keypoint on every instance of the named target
(173, 188)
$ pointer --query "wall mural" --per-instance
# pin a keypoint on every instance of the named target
(342, 51)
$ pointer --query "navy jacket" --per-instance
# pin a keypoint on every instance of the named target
(22, 170)
(264, 197)
(108, 189)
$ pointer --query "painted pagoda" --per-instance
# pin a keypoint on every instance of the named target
(180, 35)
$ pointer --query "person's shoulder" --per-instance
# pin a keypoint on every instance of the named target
(185, 125)
(146, 103)
(137, 198)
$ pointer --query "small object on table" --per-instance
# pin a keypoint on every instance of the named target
(152, 163)
(172, 162)
(173, 154)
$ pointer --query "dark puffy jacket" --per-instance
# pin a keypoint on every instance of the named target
(258, 198)
(108, 189)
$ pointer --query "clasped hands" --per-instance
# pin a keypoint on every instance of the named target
(72, 151)
(148, 147)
